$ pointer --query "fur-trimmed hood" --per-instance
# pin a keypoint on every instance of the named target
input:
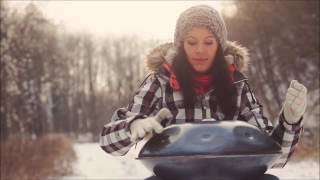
(234, 54)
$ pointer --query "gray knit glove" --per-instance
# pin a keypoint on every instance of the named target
(139, 128)
(295, 102)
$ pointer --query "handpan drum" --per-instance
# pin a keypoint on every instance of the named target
(209, 150)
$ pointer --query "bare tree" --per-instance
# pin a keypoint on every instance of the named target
(283, 38)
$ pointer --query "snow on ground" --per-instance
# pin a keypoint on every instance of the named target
(302, 170)
(94, 163)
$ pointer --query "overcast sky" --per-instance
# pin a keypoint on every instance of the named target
(147, 19)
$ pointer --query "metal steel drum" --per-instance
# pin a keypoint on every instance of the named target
(209, 150)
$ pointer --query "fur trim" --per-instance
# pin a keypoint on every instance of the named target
(158, 56)
(234, 54)
(240, 55)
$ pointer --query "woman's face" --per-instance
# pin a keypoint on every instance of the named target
(200, 46)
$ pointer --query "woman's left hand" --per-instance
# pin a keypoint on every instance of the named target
(295, 102)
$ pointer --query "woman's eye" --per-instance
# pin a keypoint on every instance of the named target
(208, 43)
(191, 43)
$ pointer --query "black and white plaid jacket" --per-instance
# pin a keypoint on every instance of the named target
(156, 93)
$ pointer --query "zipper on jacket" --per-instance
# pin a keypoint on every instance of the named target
(203, 107)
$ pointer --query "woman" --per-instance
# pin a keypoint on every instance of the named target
(199, 76)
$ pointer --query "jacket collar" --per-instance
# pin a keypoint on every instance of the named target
(165, 53)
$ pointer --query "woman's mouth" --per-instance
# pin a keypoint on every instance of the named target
(200, 59)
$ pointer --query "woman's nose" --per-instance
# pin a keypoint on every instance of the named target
(199, 49)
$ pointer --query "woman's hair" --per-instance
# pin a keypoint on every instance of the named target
(223, 87)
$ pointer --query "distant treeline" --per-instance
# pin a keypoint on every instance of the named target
(56, 81)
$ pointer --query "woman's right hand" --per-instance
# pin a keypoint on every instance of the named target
(139, 128)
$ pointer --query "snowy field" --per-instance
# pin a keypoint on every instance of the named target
(93, 163)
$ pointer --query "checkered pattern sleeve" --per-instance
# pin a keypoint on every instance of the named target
(287, 135)
(115, 136)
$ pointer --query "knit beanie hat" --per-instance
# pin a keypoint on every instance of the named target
(201, 15)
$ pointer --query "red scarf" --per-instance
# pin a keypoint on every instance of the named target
(201, 83)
